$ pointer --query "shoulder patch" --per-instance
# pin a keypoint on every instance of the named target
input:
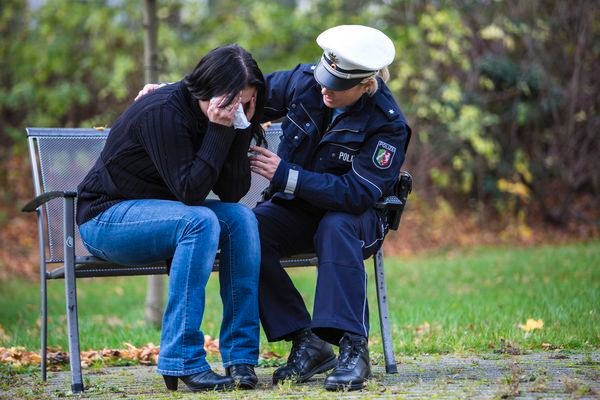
(383, 155)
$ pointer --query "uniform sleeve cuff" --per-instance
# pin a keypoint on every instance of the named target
(286, 177)
(292, 181)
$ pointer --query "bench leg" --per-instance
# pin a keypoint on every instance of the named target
(71, 297)
(43, 299)
(44, 327)
(386, 333)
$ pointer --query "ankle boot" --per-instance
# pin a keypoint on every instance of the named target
(353, 367)
(243, 375)
(205, 380)
(309, 356)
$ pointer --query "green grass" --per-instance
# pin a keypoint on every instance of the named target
(472, 299)
(458, 301)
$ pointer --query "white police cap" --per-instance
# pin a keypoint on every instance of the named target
(351, 54)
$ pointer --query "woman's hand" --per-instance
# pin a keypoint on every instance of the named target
(264, 162)
(219, 114)
(149, 87)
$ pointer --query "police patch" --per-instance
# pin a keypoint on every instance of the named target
(383, 155)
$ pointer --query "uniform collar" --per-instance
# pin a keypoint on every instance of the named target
(356, 115)
(359, 104)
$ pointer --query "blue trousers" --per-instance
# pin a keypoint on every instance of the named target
(341, 241)
(146, 231)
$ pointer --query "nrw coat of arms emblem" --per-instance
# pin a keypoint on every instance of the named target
(383, 155)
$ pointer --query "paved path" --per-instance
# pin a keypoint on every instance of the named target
(546, 375)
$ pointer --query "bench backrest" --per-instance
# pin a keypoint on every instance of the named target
(61, 157)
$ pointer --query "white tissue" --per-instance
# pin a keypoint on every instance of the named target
(239, 118)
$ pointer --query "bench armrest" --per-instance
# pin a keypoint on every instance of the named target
(44, 198)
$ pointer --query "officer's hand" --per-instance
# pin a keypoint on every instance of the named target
(264, 162)
(149, 87)
(220, 114)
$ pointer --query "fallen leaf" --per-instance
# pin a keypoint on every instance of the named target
(269, 355)
(211, 345)
(531, 325)
(423, 329)
(145, 355)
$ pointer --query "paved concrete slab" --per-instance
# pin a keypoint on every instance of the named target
(547, 375)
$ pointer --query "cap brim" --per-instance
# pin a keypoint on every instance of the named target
(332, 82)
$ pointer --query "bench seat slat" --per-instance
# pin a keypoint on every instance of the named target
(90, 266)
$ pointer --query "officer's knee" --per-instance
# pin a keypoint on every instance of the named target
(335, 224)
(264, 220)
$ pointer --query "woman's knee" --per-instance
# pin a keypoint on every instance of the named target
(239, 218)
(199, 221)
(243, 213)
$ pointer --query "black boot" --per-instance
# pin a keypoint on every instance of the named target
(353, 367)
(243, 375)
(309, 356)
(206, 380)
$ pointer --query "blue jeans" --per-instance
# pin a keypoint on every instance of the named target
(145, 231)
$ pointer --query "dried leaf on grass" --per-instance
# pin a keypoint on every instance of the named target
(549, 346)
(18, 356)
(270, 355)
(270, 359)
(531, 325)
(145, 355)
(423, 329)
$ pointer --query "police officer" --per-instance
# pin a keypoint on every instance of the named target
(344, 140)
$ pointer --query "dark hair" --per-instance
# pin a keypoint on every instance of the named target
(227, 70)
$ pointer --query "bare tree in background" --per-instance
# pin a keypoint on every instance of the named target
(156, 283)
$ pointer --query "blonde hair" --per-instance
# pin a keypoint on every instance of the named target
(372, 83)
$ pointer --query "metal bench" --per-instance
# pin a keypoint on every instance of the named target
(60, 158)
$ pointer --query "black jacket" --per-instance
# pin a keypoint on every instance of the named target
(164, 147)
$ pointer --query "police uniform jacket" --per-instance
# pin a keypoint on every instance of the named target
(342, 165)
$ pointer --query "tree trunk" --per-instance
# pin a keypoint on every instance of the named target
(156, 283)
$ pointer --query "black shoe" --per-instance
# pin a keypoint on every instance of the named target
(205, 380)
(354, 366)
(309, 356)
(243, 375)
